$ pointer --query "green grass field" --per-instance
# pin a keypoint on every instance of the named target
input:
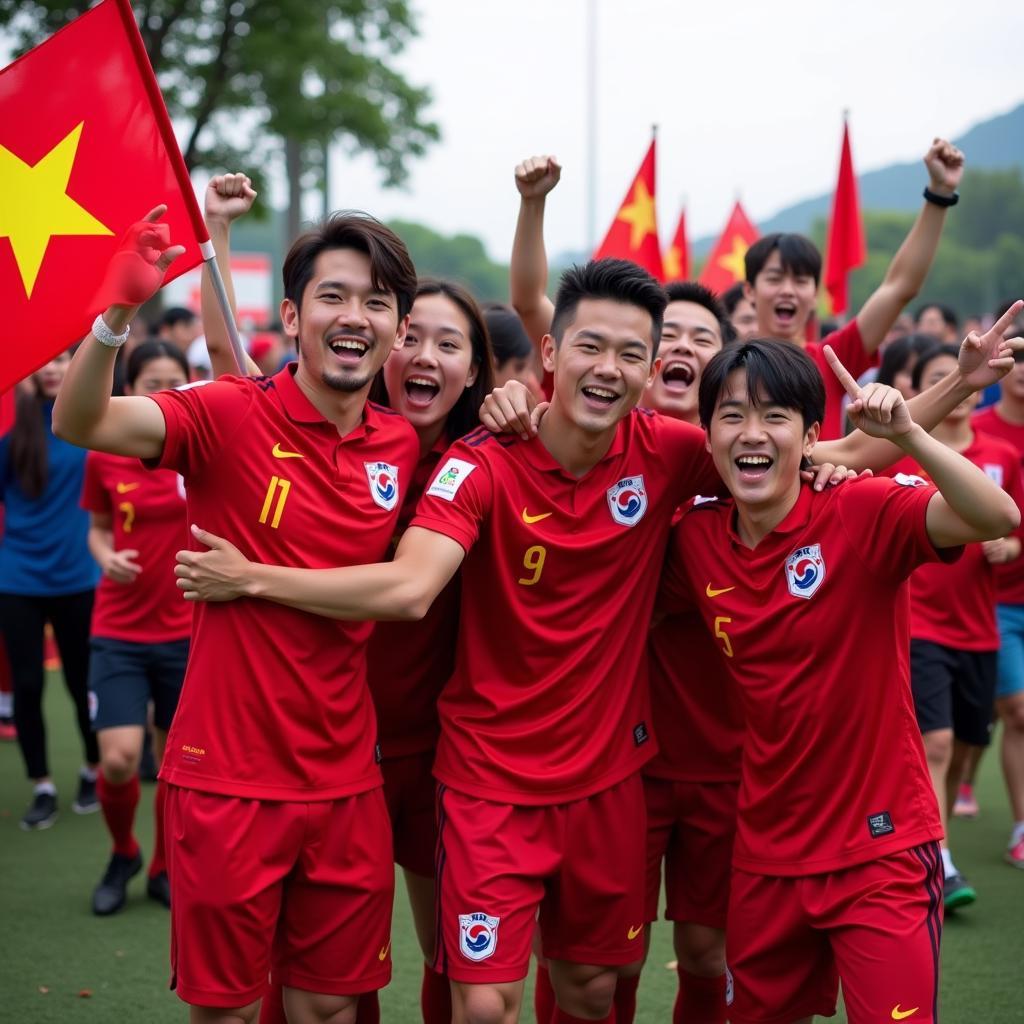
(59, 963)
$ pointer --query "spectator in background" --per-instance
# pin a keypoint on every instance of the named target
(740, 311)
(46, 574)
(514, 357)
(180, 326)
(939, 320)
(268, 350)
(898, 361)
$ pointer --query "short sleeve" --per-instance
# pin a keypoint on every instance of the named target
(1014, 486)
(690, 463)
(458, 498)
(95, 497)
(675, 592)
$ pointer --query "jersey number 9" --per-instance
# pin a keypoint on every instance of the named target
(534, 561)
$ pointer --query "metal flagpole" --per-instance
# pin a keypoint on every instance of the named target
(210, 258)
(591, 58)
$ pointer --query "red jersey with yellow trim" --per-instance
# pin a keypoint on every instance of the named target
(1009, 577)
(147, 513)
(549, 702)
(275, 704)
(955, 605)
(849, 346)
(814, 626)
(410, 662)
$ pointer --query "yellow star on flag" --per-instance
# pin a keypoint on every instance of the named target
(35, 206)
(640, 215)
(673, 263)
(734, 261)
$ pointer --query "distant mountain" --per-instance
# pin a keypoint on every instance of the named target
(992, 145)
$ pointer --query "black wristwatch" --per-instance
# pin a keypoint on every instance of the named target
(937, 200)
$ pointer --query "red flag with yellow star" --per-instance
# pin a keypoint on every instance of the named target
(634, 232)
(677, 256)
(86, 149)
(725, 265)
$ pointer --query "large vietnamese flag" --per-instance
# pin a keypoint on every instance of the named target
(677, 256)
(846, 249)
(634, 232)
(86, 149)
(725, 265)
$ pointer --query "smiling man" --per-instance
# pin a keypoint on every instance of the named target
(280, 851)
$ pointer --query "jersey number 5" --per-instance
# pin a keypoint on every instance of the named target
(279, 487)
(534, 561)
(720, 621)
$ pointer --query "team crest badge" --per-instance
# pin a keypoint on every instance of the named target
(383, 479)
(805, 571)
(627, 500)
(478, 935)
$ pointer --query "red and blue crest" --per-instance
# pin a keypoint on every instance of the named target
(627, 500)
(383, 478)
(805, 571)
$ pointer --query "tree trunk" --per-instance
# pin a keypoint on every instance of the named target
(293, 170)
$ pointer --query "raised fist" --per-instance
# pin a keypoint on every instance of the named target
(537, 176)
(228, 197)
(945, 165)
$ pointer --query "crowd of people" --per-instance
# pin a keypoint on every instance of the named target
(656, 574)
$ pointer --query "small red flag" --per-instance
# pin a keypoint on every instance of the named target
(846, 249)
(634, 232)
(86, 149)
(677, 257)
(725, 265)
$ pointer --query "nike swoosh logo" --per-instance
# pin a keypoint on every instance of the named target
(383, 954)
(527, 518)
(634, 932)
(279, 453)
(125, 488)
(711, 592)
(898, 1014)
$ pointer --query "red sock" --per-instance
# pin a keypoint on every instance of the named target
(272, 1007)
(435, 997)
(625, 999)
(118, 803)
(561, 1017)
(368, 1009)
(700, 1000)
(543, 996)
(158, 861)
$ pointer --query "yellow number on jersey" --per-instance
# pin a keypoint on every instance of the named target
(129, 515)
(281, 487)
(722, 635)
(534, 561)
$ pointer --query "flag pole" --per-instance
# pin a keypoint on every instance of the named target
(210, 261)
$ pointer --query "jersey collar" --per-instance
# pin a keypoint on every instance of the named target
(797, 517)
(537, 455)
(300, 409)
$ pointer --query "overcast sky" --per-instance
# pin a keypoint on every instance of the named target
(748, 97)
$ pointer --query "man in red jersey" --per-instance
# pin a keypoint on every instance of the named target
(836, 871)
(784, 270)
(281, 854)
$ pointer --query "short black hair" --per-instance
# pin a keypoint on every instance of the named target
(777, 371)
(692, 291)
(899, 352)
(391, 267)
(509, 339)
(619, 280)
(798, 254)
(732, 296)
(147, 352)
(948, 314)
(174, 315)
(926, 356)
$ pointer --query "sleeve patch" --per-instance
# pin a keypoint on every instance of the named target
(909, 480)
(452, 475)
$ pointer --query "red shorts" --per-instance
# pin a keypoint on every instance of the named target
(691, 826)
(410, 792)
(875, 926)
(304, 889)
(581, 864)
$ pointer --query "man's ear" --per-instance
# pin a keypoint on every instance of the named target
(290, 318)
(548, 352)
(811, 439)
(655, 370)
(403, 328)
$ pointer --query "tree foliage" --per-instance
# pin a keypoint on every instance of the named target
(240, 75)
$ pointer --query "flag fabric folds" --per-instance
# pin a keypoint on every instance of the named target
(634, 232)
(677, 257)
(846, 249)
(86, 149)
(725, 265)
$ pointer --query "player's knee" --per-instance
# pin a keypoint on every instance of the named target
(588, 992)
(702, 958)
(118, 763)
(938, 746)
(483, 1004)
(1012, 713)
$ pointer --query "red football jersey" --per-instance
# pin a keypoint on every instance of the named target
(409, 662)
(147, 512)
(549, 702)
(849, 346)
(814, 624)
(1009, 577)
(275, 704)
(955, 605)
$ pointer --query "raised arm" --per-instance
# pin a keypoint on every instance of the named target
(85, 413)
(403, 588)
(913, 260)
(228, 197)
(528, 270)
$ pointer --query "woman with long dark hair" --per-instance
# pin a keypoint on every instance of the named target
(46, 574)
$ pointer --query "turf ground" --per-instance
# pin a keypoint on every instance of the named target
(59, 963)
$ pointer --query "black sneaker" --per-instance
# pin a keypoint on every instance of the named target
(86, 802)
(108, 897)
(957, 892)
(159, 888)
(41, 813)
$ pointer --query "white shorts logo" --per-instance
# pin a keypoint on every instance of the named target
(730, 987)
(383, 478)
(94, 705)
(805, 571)
(994, 472)
(910, 480)
(478, 935)
(452, 475)
(627, 500)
